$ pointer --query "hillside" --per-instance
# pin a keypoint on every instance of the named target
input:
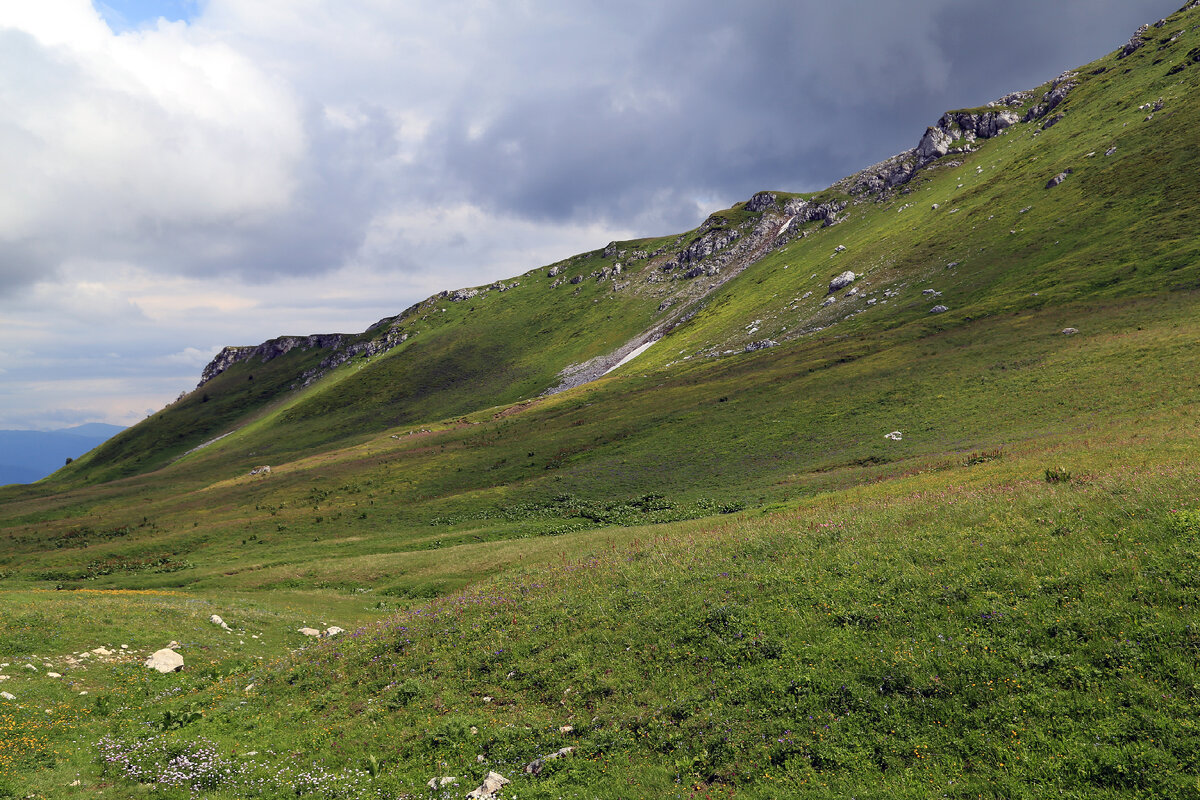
(880, 491)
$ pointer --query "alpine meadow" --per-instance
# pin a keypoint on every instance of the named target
(884, 491)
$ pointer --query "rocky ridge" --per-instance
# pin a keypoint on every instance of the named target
(718, 250)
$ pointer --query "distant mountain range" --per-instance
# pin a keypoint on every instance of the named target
(28, 456)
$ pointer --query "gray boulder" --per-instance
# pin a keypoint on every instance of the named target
(842, 281)
(938, 310)
(1057, 179)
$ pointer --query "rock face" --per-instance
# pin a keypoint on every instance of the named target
(1135, 42)
(761, 202)
(165, 661)
(1060, 87)
(842, 281)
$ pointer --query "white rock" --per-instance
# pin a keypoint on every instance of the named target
(102, 651)
(308, 631)
(3, 677)
(7, 696)
(490, 786)
(894, 436)
(334, 630)
(32, 667)
(53, 675)
(165, 660)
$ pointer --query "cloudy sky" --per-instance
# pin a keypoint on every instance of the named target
(179, 175)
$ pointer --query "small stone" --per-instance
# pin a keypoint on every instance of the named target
(1070, 331)
(7, 696)
(938, 310)
(841, 248)
(935, 206)
(308, 631)
(566, 729)
(53, 675)
(895, 436)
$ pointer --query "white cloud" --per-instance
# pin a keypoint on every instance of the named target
(110, 135)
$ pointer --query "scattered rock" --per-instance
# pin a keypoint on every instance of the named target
(334, 630)
(935, 206)
(102, 651)
(553, 273)
(1110, 151)
(829, 301)
(53, 675)
(308, 631)
(463, 294)
(938, 310)
(1070, 331)
(489, 788)
(565, 729)
(841, 248)
(578, 279)
(8, 696)
(263, 470)
(931, 293)
(437, 783)
(761, 345)
(895, 436)
(165, 661)
(1135, 42)
(536, 766)
(215, 620)
(842, 281)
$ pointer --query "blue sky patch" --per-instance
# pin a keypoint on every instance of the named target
(129, 15)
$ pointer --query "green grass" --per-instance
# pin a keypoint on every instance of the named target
(710, 564)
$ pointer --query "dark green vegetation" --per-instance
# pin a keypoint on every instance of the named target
(709, 572)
